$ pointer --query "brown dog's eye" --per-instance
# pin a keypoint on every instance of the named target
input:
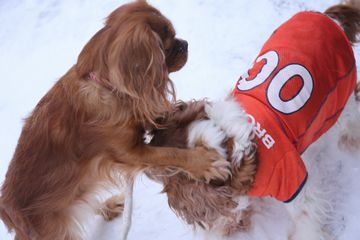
(166, 30)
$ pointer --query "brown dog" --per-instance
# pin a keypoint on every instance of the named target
(87, 131)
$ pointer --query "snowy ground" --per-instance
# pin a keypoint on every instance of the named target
(40, 40)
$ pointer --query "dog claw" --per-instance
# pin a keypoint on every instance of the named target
(220, 170)
(209, 165)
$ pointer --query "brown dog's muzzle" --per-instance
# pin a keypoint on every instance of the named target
(177, 56)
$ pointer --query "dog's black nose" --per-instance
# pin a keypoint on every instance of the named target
(184, 45)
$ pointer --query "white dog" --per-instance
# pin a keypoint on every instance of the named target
(303, 187)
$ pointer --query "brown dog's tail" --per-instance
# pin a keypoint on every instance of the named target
(348, 15)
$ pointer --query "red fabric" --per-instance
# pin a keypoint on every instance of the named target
(317, 43)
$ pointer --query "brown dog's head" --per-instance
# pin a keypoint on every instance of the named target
(133, 55)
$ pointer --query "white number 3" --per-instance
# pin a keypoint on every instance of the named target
(278, 82)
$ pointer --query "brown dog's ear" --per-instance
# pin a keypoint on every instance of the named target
(128, 55)
(138, 70)
(136, 60)
(93, 56)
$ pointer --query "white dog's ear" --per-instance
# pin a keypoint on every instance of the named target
(233, 120)
(207, 133)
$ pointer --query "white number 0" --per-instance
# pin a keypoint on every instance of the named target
(278, 82)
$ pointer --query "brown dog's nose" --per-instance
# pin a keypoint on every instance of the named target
(182, 45)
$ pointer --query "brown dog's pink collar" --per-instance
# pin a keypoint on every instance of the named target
(105, 84)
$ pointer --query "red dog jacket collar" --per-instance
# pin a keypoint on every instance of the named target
(294, 93)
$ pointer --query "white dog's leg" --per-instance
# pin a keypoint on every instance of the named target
(308, 212)
(313, 208)
(127, 214)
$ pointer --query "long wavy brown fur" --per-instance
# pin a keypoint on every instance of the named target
(87, 131)
(196, 202)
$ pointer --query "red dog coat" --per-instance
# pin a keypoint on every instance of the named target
(294, 93)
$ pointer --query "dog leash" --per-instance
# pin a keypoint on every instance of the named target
(128, 208)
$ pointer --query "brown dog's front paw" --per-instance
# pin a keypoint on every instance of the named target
(220, 169)
(209, 165)
(113, 207)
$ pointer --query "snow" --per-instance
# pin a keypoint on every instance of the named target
(40, 40)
